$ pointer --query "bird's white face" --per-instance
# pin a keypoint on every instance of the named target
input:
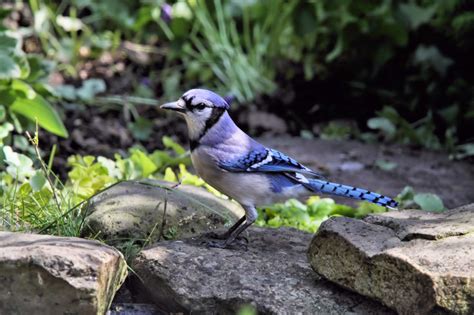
(196, 116)
(198, 113)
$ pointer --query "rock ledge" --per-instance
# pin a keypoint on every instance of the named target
(413, 261)
(43, 274)
(273, 276)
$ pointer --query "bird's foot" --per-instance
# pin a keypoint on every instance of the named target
(216, 236)
(223, 236)
(239, 243)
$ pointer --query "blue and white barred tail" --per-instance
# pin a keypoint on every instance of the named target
(317, 185)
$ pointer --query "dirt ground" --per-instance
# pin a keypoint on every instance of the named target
(353, 163)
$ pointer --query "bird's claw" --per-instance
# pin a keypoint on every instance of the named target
(216, 244)
(224, 236)
(216, 236)
(238, 244)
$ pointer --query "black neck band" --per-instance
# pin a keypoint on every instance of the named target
(216, 114)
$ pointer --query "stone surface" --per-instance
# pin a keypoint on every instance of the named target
(42, 274)
(133, 309)
(413, 261)
(273, 275)
(134, 210)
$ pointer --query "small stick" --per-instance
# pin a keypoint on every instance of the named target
(35, 142)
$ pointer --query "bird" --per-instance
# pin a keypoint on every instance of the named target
(245, 170)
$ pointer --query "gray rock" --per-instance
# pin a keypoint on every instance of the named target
(413, 261)
(134, 210)
(42, 274)
(133, 309)
(273, 276)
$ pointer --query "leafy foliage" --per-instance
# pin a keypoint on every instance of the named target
(309, 216)
(33, 198)
(408, 55)
(22, 83)
(425, 201)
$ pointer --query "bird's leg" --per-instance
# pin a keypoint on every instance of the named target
(225, 235)
(250, 217)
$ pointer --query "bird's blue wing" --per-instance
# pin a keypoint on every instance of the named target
(267, 160)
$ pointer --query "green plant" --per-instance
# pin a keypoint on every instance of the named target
(28, 196)
(90, 175)
(309, 216)
(65, 37)
(393, 127)
(32, 198)
(23, 90)
(241, 63)
(463, 151)
(408, 198)
(335, 130)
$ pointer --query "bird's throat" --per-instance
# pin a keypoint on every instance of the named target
(198, 130)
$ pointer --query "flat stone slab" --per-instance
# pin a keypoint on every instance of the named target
(136, 210)
(273, 275)
(413, 261)
(42, 274)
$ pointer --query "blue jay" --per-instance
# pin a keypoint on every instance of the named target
(245, 170)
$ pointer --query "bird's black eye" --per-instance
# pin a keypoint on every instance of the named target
(200, 106)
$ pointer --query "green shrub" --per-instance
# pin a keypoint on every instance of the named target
(23, 90)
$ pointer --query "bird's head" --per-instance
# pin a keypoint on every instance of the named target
(201, 109)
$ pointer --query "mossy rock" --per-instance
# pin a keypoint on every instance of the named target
(156, 210)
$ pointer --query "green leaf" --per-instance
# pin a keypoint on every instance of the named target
(90, 88)
(66, 91)
(25, 89)
(406, 194)
(22, 62)
(429, 202)
(3, 113)
(4, 12)
(37, 108)
(8, 43)
(337, 50)
(5, 130)
(9, 69)
(37, 181)
(431, 56)
(141, 128)
(181, 10)
(40, 68)
(19, 166)
(143, 161)
(170, 176)
(463, 151)
(305, 22)
(69, 24)
(385, 165)
(171, 144)
(382, 124)
(413, 15)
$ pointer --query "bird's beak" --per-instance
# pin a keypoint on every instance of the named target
(176, 106)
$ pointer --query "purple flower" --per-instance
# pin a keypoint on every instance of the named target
(166, 12)
(145, 81)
